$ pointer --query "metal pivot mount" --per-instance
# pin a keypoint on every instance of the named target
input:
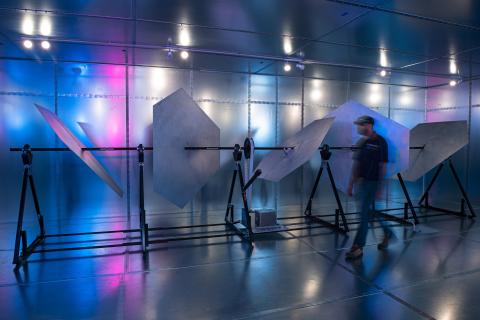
(424, 200)
(21, 235)
(245, 230)
(339, 213)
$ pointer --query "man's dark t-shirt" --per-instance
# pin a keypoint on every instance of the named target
(372, 151)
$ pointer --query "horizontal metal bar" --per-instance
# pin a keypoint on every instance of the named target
(206, 148)
(90, 233)
(115, 245)
(231, 148)
(16, 149)
(190, 226)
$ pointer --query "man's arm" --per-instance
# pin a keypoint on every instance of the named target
(353, 177)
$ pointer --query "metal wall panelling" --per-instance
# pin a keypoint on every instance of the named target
(447, 103)
(289, 123)
(223, 97)
(95, 95)
(321, 97)
(21, 123)
(407, 107)
(147, 87)
(474, 173)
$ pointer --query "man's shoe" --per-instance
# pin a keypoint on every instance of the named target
(384, 244)
(354, 253)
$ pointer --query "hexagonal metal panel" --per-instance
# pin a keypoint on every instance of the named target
(178, 173)
(343, 133)
(279, 163)
(76, 146)
(440, 140)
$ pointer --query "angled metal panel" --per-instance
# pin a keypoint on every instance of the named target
(179, 122)
(76, 146)
(440, 140)
(278, 164)
(343, 133)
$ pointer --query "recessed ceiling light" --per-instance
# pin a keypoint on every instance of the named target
(383, 73)
(28, 44)
(45, 44)
(452, 83)
(184, 55)
(287, 67)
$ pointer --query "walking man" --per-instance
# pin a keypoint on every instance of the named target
(368, 172)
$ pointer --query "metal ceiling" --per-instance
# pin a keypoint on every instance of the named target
(336, 39)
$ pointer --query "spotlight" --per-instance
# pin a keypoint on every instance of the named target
(45, 27)
(28, 25)
(287, 45)
(383, 58)
(28, 44)
(453, 66)
(184, 36)
(45, 44)
(287, 67)
(383, 73)
(184, 55)
(452, 83)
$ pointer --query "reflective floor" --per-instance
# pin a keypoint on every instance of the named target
(432, 271)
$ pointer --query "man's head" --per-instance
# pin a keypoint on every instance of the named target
(364, 125)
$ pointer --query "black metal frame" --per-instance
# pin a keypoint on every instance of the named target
(408, 206)
(424, 200)
(242, 228)
(339, 213)
(21, 235)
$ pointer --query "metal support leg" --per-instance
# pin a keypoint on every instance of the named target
(18, 235)
(462, 190)
(143, 224)
(425, 194)
(245, 202)
(407, 197)
(337, 198)
(229, 211)
(308, 209)
(37, 205)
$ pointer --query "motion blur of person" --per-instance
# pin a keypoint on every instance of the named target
(368, 172)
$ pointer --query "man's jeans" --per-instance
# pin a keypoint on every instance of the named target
(365, 196)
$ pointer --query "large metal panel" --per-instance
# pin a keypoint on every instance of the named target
(72, 142)
(448, 104)
(277, 164)
(439, 141)
(343, 133)
(178, 122)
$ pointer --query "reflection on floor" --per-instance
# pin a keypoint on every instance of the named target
(430, 272)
